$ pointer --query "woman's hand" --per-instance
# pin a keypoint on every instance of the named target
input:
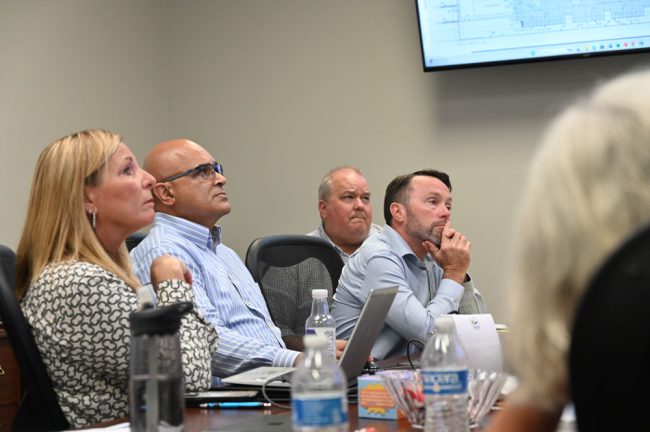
(167, 267)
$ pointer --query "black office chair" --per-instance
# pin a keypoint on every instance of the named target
(39, 408)
(8, 264)
(609, 360)
(287, 268)
(134, 239)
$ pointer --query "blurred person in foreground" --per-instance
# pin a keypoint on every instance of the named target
(75, 281)
(345, 210)
(587, 191)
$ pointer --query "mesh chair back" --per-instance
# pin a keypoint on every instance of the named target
(288, 268)
(39, 408)
(610, 342)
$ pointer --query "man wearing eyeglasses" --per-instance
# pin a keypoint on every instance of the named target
(189, 199)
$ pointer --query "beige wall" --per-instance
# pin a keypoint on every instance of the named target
(67, 65)
(280, 91)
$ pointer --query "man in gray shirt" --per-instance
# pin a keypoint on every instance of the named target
(417, 251)
(345, 210)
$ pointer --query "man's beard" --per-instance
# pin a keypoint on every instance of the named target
(415, 229)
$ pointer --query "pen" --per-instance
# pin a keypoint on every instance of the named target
(234, 405)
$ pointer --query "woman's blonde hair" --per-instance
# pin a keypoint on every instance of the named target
(57, 227)
(588, 189)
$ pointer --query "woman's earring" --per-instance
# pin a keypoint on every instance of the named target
(94, 219)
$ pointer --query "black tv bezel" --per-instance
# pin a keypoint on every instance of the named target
(514, 61)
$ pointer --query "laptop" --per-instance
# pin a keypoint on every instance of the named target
(370, 322)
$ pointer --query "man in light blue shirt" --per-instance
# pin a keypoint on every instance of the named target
(345, 210)
(418, 252)
(189, 200)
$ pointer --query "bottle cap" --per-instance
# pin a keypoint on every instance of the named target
(315, 340)
(159, 321)
(319, 294)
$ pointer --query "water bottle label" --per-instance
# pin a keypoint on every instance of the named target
(319, 410)
(447, 382)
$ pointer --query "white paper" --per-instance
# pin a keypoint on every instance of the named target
(116, 427)
(479, 337)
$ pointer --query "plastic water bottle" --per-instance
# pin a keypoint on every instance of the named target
(320, 321)
(445, 381)
(319, 399)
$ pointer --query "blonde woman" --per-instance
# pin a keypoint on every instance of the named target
(589, 188)
(75, 279)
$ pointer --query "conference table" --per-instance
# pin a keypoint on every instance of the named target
(206, 419)
(203, 419)
(228, 419)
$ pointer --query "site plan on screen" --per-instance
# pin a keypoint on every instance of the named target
(471, 31)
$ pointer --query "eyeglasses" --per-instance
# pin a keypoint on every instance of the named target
(206, 171)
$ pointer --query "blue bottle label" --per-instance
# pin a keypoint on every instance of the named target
(449, 382)
(319, 410)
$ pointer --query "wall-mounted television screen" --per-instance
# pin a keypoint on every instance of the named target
(467, 33)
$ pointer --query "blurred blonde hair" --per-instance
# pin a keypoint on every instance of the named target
(57, 227)
(588, 189)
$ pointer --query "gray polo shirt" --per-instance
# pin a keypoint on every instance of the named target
(320, 232)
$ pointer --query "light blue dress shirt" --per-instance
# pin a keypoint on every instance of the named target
(386, 260)
(225, 293)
